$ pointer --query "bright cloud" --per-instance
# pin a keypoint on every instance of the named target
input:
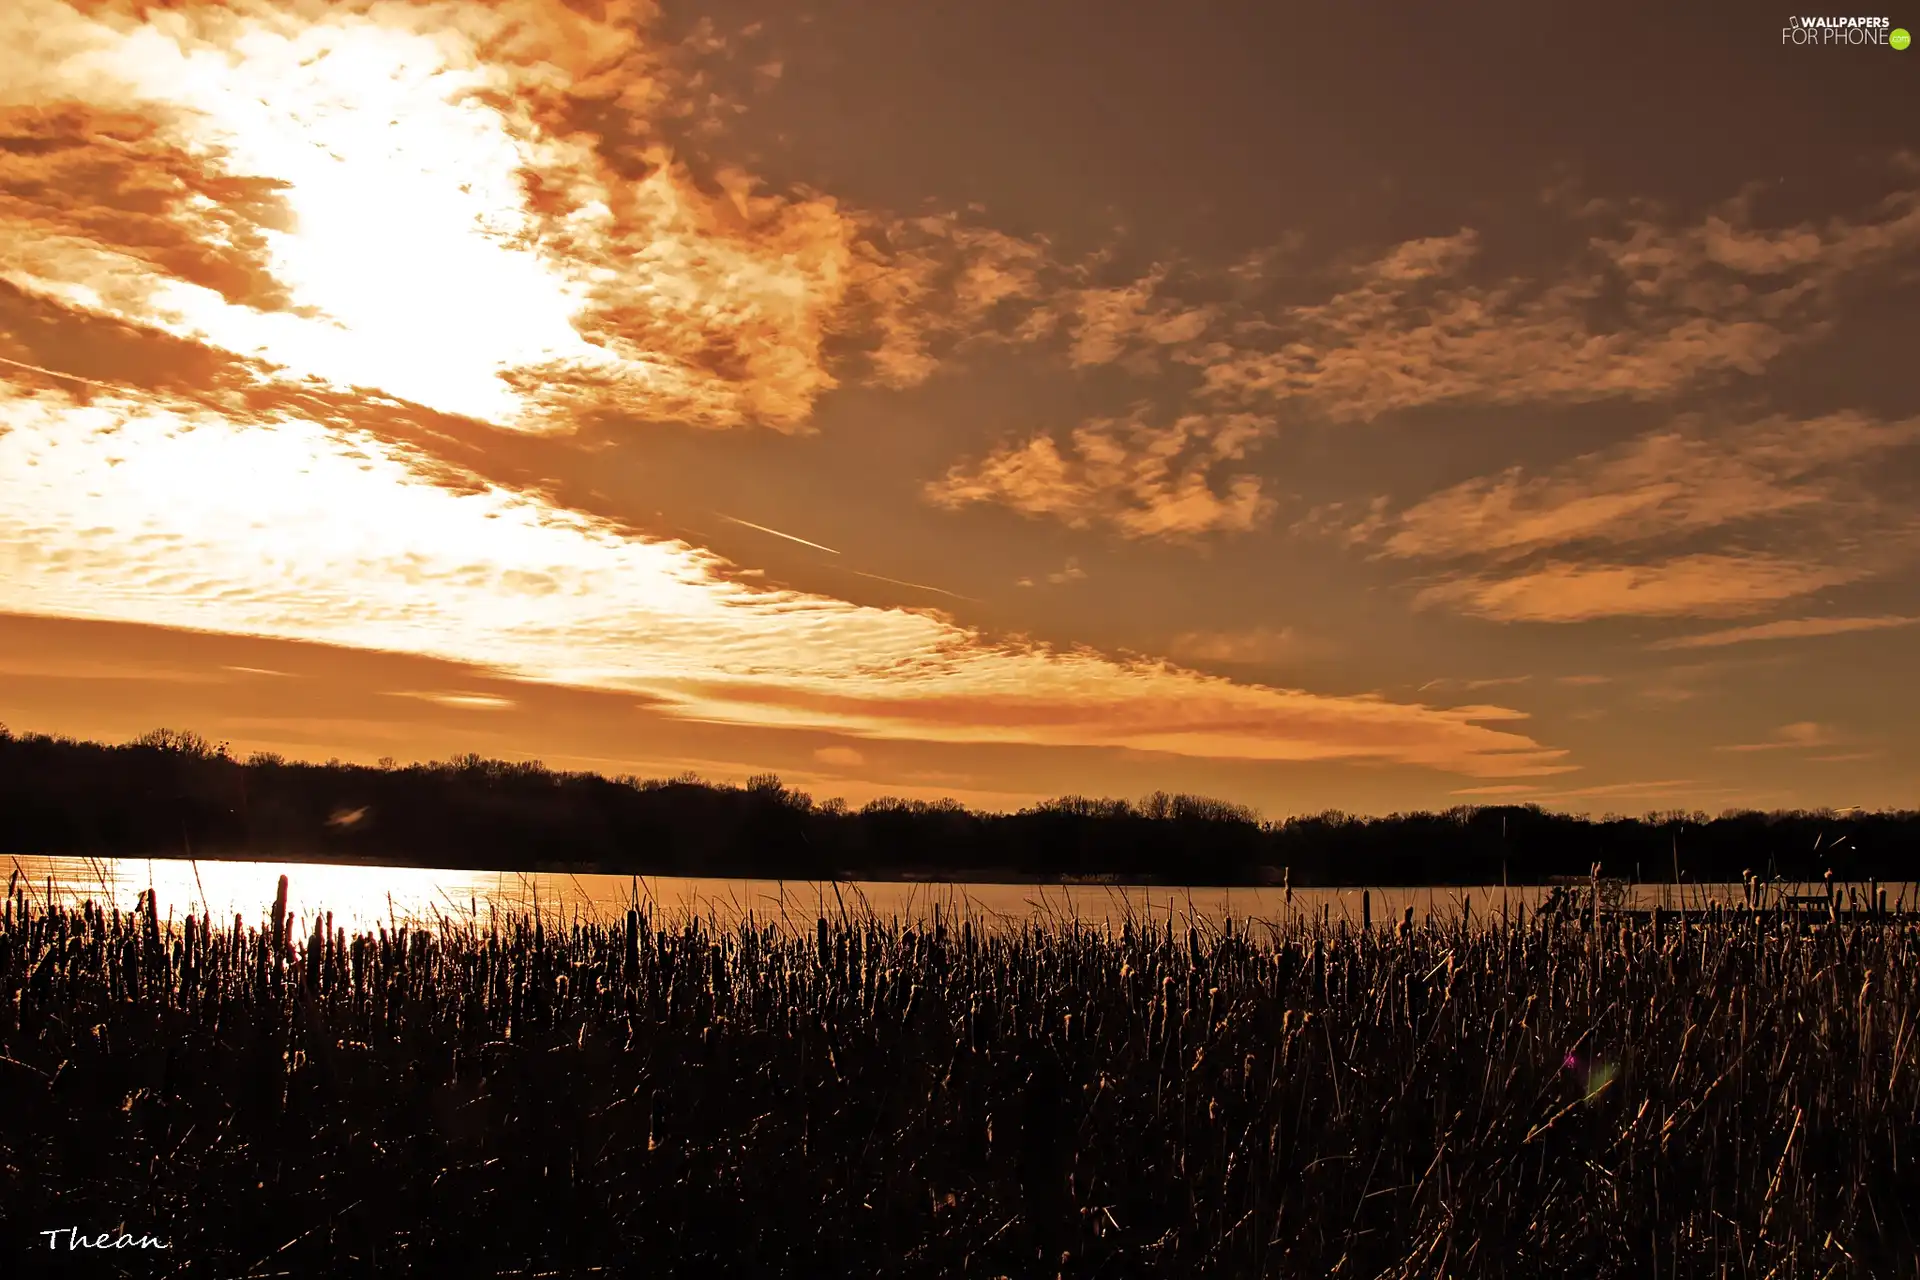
(1790, 501)
(1797, 736)
(1658, 485)
(1144, 479)
(276, 526)
(1784, 629)
(383, 196)
(1683, 586)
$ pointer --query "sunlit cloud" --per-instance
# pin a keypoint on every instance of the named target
(386, 196)
(1797, 736)
(1648, 309)
(1664, 788)
(1143, 479)
(1658, 485)
(924, 290)
(1251, 645)
(1130, 323)
(56, 667)
(1785, 629)
(1609, 533)
(465, 701)
(1417, 325)
(279, 527)
(1489, 682)
(1068, 572)
(841, 757)
(1702, 585)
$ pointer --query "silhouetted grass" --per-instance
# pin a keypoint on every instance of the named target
(1556, 1096)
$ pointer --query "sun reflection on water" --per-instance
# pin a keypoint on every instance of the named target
(363, 898)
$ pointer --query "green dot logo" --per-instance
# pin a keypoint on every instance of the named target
(1899, 39)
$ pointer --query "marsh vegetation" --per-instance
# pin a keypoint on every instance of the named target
(1548, 1094)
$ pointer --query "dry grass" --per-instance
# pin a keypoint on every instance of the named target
(1560, 1096)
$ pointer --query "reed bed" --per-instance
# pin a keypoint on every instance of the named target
(1561, 1095)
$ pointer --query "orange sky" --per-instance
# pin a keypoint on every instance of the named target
(640, 391)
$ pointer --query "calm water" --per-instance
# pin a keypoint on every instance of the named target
(361, 897)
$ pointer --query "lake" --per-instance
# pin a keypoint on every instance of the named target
(362, 897)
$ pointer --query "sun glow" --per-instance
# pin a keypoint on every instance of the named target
(399, 169)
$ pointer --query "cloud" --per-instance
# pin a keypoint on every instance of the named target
(1664, 483)
(1640, 314)
(408, 197)
(1143, 479)
(477, 208)
(1492, 682)
(1702, 585)
(123, 182)
(1132, 706)
(58, 667)
(845, 757)
(1785, 629)
(1251, 646)
(1068, 572)
(390, 235)
(1127, 322)
(1645, 310)
(1800, 735)
(922, 290)
(461, 701)
(1792, 503)
(131, 510)
(1653, 790)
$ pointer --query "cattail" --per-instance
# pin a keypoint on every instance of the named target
(280, 920)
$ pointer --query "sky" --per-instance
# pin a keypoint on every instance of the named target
(1316, 407)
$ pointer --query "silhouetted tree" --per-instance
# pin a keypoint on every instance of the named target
(170, 792)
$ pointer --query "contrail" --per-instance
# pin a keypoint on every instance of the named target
(776, 533)
(920, 586)
(71, 377)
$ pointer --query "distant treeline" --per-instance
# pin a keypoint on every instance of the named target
(170, 793)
